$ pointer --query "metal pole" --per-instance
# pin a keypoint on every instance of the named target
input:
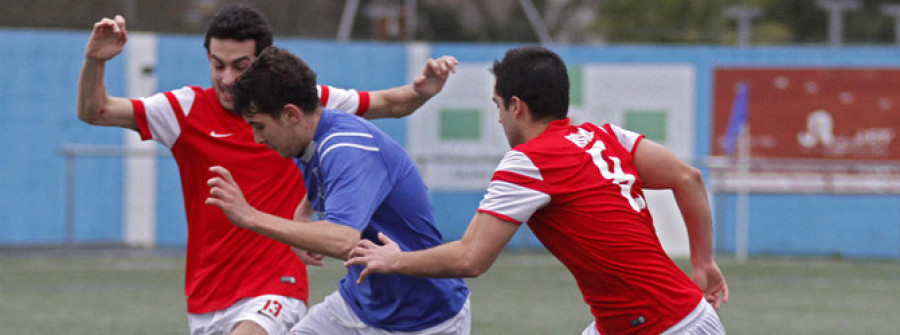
(836, 9)
(744, 16)
(130, 12)
(893, 10)
(742, 231)
(70, 198)
(347, 18)
(536, 22)
(411, 20)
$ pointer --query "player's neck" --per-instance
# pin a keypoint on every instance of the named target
(534, 129)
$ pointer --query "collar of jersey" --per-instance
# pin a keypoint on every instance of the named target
(308, 153)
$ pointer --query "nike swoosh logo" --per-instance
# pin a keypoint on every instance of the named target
(217, 135)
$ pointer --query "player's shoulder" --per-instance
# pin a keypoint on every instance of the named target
(627, 138)
(344, 127)
(339, 120)
(191, 90)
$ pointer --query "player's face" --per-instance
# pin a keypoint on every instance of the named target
(507, 120)
(275, 133)
(228, 59)
(288, 134)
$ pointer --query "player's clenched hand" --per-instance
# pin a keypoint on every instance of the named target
(374, 258)
(308, 257)
(225, 194)
(107, 39)
(434, 76)
(710, 280)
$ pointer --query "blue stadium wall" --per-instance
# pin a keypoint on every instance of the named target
(37, 109)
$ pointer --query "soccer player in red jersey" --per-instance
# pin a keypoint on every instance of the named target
(580, 189)
(236, 281)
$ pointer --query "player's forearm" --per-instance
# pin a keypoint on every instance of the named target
(95, 106)
(91, 90)
(690, 194)
(321, 237)
(450, 260)
(471, 256)
(395, 102)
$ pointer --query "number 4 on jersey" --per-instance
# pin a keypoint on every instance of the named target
(624, 180)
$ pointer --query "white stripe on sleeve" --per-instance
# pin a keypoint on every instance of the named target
(517, 162)
(514, 201)
(161, 117)
(345, 100)
(628, 138)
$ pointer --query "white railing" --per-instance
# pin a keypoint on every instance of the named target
(72, 152)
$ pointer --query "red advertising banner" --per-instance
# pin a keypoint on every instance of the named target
(811, 113)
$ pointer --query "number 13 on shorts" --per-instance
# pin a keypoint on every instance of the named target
(271, 309)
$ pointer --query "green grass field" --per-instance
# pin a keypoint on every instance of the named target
(524, 293)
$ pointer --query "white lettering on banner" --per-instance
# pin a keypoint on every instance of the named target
(616, 174)
(819, 136)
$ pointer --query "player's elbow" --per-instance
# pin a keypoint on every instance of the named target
(94, 116)
(691, 177)
(87, 115)
(470, 266)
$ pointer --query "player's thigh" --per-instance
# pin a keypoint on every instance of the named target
(334, 316)
(274, 313)
(703, 320)
(331, 316)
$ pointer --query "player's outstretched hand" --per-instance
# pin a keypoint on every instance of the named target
(434, 76)
(225, 194)
(709, 278)
(107, 39)
(374, 258)
(308, 257)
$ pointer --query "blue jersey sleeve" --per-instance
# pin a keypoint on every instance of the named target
(355, 178)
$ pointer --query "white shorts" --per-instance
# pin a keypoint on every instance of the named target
(333, 316)
(274, 313)
(703, 320)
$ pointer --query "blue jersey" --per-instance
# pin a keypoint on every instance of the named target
(359, 177)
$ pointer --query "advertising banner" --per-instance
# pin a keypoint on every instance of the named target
(810, 129)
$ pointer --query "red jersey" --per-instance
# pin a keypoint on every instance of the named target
(226, 263)
(579, 192)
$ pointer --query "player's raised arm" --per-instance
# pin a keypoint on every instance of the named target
(404, 100)
(659, 168)
(471, 256)
(94, 105)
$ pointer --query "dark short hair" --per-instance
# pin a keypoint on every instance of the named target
(275, 79)
(538, 77)
(239, 22)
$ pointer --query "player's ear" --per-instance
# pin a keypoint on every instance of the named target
(291, 113)
(517, 106)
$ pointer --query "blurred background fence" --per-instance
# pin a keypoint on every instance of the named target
(817, 176)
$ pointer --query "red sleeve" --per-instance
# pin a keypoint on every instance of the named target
(363, 103)
(323, 97)
(140, 117)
